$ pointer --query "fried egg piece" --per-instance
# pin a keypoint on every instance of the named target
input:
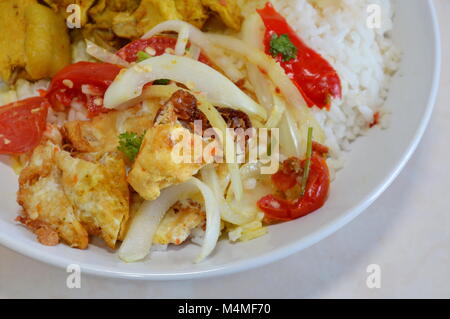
(99, 192)
(100, 134)
(43, 199)
(155, 168)
(178, 223)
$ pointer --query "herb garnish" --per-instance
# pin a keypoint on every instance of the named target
(283, 45)
(130, 144)
(141, 56)
(161, 82)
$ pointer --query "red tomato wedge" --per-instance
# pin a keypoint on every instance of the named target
(157, 43)
(22, 125)
(317, 188)
(314, 77)
(85, 81)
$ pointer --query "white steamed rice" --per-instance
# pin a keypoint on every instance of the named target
(364, 58)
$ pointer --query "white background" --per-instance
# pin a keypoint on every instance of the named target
(406, 231)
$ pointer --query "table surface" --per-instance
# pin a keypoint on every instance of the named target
(408, 237)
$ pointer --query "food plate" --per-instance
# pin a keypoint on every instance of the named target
(374, 162)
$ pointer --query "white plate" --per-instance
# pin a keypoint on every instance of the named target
(374, 162)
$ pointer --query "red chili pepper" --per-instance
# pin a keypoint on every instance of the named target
(279, 209)
(376, 119)
(314, 77)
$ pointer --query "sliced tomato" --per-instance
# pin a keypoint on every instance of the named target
(22, 125)
(86, 82)
(317, 189)
(320, 149)
(287, 175)
(277, 208)
(314, 77)
(158, 43)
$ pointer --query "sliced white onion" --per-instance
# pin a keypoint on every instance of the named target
(277, 113)
(209, 176)
(197, 37)
(138, 241)
(290, 136)
(183, 38)
(194, 52)
(139, 238)
(252, 33)
(261, 86)
(212, 219)
(217, 121)
(219, 90)
(274, 71)
(104, 55)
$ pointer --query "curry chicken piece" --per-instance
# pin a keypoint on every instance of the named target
(178, 223)
(62, 6)
(34, 43)
(111, 18)
(130, 19)
(100, 134)
(228, 10)
(152, 12)
(193, 11)
(74, 197)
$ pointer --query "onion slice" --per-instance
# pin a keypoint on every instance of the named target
(219, 89)
(139, 238)
(269, 66)
(209, 176)
(104, 55)
(197, 37)
(183, 38)
(212, 219)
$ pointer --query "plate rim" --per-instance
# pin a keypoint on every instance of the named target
(282, 252)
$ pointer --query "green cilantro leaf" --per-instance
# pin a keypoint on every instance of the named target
(161, 82)
(130, 144)
(141, 56)
(284, 46)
